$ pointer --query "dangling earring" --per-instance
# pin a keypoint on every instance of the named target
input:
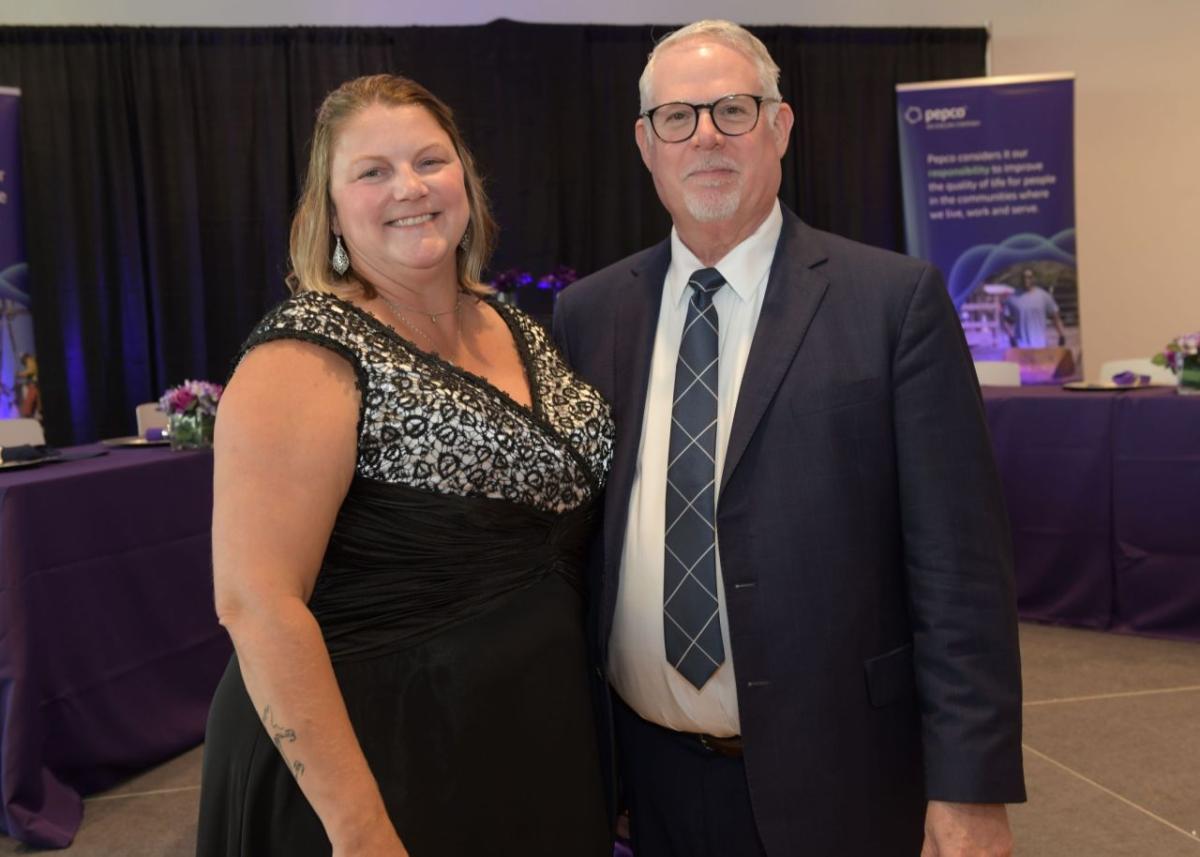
(465, 243)
(340, 261)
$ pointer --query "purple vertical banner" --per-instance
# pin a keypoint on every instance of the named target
(19, 396)
(988, 170)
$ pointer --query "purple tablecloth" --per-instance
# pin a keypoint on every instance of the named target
(1156, 515)
(1101, 490)
(109, 646)
(1053, 449)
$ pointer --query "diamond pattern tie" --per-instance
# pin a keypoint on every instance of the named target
(691, 620)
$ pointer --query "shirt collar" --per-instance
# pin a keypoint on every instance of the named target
(744, 268)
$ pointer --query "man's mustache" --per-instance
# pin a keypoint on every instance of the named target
(711, 164)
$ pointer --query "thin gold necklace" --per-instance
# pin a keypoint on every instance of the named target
(411, 326)
(397, 307)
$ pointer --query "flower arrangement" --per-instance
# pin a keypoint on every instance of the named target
(191, 397)
(1177, 350)
(512, 280)
(1182, 356)
(191, 410)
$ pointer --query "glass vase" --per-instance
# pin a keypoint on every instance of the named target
(191, 430)
(1189, 375)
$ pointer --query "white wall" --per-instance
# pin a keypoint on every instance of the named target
(1137, 110)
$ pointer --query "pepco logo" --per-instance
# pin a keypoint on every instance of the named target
(913, 115)
(945, 114)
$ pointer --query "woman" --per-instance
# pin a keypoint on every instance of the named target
(404, 473)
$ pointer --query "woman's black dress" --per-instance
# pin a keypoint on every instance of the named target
(450, 600)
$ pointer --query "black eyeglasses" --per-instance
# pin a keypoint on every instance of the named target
(732, 115)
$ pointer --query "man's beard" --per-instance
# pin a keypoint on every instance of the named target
(707, 207)
(708, 204)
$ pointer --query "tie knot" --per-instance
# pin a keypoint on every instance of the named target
(705, 284)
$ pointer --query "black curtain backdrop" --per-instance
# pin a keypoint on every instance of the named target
(160, 168)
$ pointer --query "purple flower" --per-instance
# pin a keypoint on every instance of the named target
(183, 399)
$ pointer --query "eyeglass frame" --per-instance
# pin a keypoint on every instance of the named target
(648, 115)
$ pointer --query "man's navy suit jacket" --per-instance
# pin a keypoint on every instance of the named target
(863, 539)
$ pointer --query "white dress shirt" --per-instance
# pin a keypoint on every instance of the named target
(637, 661)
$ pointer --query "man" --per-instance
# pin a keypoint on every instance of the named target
(1026, 314)
(803, 596)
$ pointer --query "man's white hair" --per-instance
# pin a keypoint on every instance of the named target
(727, 33)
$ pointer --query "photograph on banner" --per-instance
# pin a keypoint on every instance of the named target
(19, 394)
(988, 171)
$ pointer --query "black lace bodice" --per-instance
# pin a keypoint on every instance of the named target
(426, 424)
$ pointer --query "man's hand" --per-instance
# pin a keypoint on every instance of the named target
(966, 830)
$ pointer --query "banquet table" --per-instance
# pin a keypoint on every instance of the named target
(1102, 490)
(109, 646)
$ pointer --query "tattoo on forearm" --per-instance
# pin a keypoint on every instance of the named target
(279, 734)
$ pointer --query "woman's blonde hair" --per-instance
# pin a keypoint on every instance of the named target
(312, 239)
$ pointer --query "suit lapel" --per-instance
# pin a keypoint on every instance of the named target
(794, 292)
(636, 319)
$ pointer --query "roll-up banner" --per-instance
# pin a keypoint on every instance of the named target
(19, 395)
(988, 170)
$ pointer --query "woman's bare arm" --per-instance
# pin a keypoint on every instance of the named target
(285, 453)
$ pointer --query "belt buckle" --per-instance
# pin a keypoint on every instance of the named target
(730, 747)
